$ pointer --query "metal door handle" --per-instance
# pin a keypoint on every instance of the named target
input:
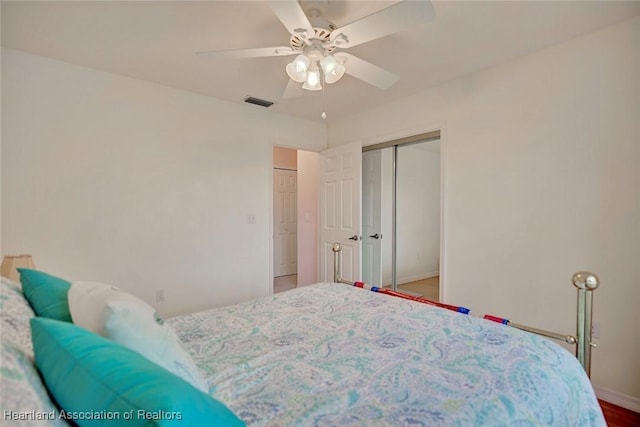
(354, 237)
(376, 236)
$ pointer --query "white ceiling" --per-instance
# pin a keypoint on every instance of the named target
(157, 40)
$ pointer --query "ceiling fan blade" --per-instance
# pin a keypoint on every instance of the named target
(398, 17)
(292, 17)
(367, 72)
(248, 53)
(293, 90)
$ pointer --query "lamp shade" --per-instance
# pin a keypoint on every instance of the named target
(11, 263)
(313, 80)
(333, 71)
(297, 69)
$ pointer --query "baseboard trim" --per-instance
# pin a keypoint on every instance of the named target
(631, 403)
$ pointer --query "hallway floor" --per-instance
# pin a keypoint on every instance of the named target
(284, 283)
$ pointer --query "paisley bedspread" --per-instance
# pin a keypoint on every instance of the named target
(335, 355)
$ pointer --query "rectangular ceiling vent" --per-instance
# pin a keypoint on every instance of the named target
(258, 101)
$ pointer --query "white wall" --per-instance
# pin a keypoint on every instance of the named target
(541, 180)
(113, 179)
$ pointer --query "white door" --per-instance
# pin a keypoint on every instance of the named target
(340, 190)
(285, 225)
(371, 217)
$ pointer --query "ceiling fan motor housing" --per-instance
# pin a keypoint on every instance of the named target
(319, 40)
(315, 52)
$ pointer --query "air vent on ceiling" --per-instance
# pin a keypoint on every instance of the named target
(258, 101)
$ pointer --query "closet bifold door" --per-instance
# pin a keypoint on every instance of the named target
(417, 237)
(401, 211)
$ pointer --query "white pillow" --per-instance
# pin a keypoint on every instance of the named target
(131, 322)
(87, 302)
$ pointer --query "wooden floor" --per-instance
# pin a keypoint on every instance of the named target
(617, 416)
(428, 288)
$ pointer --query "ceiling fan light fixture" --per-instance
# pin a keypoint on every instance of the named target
(297, 69)
(333, 70)
(313, 80)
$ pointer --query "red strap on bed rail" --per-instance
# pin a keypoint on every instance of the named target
(422, 300)
(496, 319)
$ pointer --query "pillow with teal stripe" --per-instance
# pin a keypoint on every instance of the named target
(47, 294)
(92, 377)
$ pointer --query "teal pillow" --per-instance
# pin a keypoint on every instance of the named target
(47, 294)
(92, 377)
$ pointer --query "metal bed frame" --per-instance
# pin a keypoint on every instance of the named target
(584, 281)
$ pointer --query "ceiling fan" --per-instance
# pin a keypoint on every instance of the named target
(319, 44)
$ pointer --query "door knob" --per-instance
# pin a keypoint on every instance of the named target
(376, 236)
(354, 237)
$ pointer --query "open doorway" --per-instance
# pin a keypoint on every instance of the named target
(295, 213)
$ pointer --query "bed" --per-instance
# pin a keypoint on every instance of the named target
(336, 355)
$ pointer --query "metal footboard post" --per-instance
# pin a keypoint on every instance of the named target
(586, 283)
(336, 248)
(337, 261)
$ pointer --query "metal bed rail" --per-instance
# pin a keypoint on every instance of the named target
(584, 281)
